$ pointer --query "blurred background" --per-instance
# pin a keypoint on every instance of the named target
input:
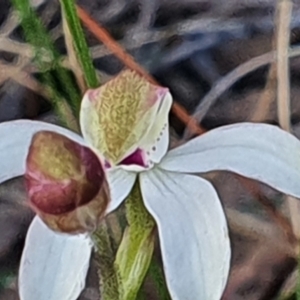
(216, 57)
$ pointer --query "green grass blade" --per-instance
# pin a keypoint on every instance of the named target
(81, 47)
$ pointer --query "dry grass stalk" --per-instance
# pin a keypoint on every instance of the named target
(267, 97)
(283, 91)
(282, 62)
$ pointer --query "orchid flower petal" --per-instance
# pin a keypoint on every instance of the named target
(15, 137)
(193, 233)
(53, 266)
(259, 151)
(156, 142)
(116, 118)
(66, 183)
(120, 184)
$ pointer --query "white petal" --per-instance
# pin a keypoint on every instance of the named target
(53, 266)
(259, 151)
(120, 183)
(15, 138)
(193, 233)
(156, 141)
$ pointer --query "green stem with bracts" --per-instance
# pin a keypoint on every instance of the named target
(136, 249)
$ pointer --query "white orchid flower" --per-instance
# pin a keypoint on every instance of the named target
(125, 122)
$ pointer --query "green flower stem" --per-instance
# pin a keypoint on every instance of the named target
(109, 289)
(136, 249)
(81, 47)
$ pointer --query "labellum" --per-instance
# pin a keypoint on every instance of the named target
(66, 183)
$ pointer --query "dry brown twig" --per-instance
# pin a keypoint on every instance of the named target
(25, 52)
(282, 62)
(283, 92)
(23, 78)
(269, 93)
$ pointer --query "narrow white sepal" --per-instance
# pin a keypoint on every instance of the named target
(120, 184)
(53, 266)
(193, 233)
(259, 151)
(15, 138)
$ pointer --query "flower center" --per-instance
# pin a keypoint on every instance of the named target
(136, 158)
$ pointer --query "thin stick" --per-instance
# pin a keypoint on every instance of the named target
(283, 92)
(269, 93)
(12, 21)
(267, 97)
(282, 58)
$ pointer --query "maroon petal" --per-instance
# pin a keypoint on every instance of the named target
(61, 175)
